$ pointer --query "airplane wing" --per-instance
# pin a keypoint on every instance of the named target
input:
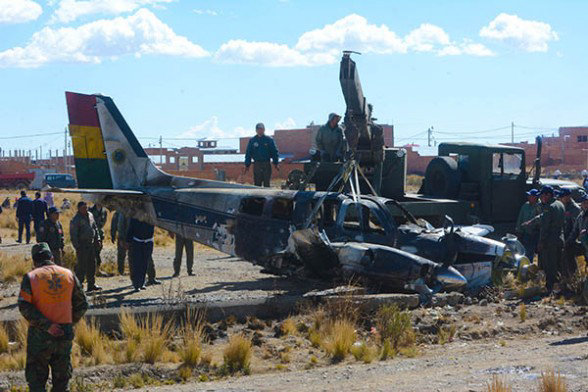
(102, 192)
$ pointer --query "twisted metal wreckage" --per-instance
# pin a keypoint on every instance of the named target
(330, 234)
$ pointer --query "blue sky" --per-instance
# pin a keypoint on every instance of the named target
(180, 68)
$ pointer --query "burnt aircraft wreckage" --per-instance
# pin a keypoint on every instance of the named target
(334, 234)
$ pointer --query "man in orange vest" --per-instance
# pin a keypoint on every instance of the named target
(52, 300)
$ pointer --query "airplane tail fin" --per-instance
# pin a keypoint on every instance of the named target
(106, 152)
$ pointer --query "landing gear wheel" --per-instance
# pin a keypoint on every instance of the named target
(296, 179)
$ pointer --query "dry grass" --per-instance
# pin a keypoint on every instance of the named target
(339, 338)
(13, 267)
(156, 335)
(288, 327)
(237, 354)
(4, 340)
(93, 342)
(364, 352)
(129, 326)
(446, 334)
(552, 382)
(192, 334)
(498, 384)
(523, 312)
(395, 326)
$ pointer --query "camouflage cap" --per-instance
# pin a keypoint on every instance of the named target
(53, 210)
(42, 248)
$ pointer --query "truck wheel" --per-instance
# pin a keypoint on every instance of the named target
(442, 178)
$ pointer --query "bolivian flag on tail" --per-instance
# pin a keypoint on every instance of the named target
(92, 169)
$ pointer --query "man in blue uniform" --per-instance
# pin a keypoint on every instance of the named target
(24, 213)
(262, 150)
(140, 243)
(39, 212)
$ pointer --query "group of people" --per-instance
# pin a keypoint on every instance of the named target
(262, 150)
(553, 226)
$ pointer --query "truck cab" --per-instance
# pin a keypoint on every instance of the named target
(494, 176)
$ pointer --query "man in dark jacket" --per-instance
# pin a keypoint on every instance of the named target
(51, 299)
(84, 235)
(551, 239)
(262, 150)
(100, 216)
(39, 212)
(51, 232)
(572, 211)
(330, 140)
(118, 234)
(140, 242)
(24, 213)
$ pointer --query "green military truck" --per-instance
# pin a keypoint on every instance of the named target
(471, 183)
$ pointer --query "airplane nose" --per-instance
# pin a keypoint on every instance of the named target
(449, 277)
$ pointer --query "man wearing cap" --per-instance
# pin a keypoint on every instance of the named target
(330, 141)
(262, 150)
(551, 239)
(529, 234)
(84, 234)
(24, 213)
(52, 300)
(572, 211)
(51, 232)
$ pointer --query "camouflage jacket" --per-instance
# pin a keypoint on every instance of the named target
(572, 211)
(552, 223)
(83, 230)
(52, 234)
(100, 219)
(37, 320)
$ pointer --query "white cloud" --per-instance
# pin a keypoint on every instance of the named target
(426, 38)
(139, 34)
(288, 123)
(19, 11)
(466, 47)
(528, 35)
(205, 12)
(70, 10)
(210, 128)
(353, 32)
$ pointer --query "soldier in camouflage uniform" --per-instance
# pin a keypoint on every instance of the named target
(100, 216)
(551, 239)
(52, 300)
(529, 234)
(572, 211)
(84, 236)
(118, 234)
(51, 232)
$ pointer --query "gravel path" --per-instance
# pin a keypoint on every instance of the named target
(458, 366)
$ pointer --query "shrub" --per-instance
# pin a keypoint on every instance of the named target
(363, 352)
(237, 354)
(192, 332)
(4, 340)
(92, 342)
(156, 334)
(445, 335)
(288, 327)
(523, 312)
(395, 326)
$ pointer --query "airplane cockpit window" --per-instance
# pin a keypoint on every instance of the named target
(252, 205)
(282, 208)
(329, 213)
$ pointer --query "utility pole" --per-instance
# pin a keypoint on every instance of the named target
(65, 150)
(161, 152)
(512, 132)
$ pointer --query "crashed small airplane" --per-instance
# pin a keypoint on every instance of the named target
(329, 234)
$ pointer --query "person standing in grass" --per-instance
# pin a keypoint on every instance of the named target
(52, 300)
(51, 232)
(39, 212)
(24, 213)
(140, 243)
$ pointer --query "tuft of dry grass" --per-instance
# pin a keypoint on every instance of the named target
(4, 339)
(13, 267)
(156, 334)
(92, 342)
(129, 326)
(288, 327)
(69, 259)
(552, 382)
(22, 332)
(446, 335)
(523, 312)
(339, 338)
(192, 334)
(498, 384)
(364, 352)
(237, 354)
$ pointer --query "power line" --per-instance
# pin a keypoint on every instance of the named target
(35, 135)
